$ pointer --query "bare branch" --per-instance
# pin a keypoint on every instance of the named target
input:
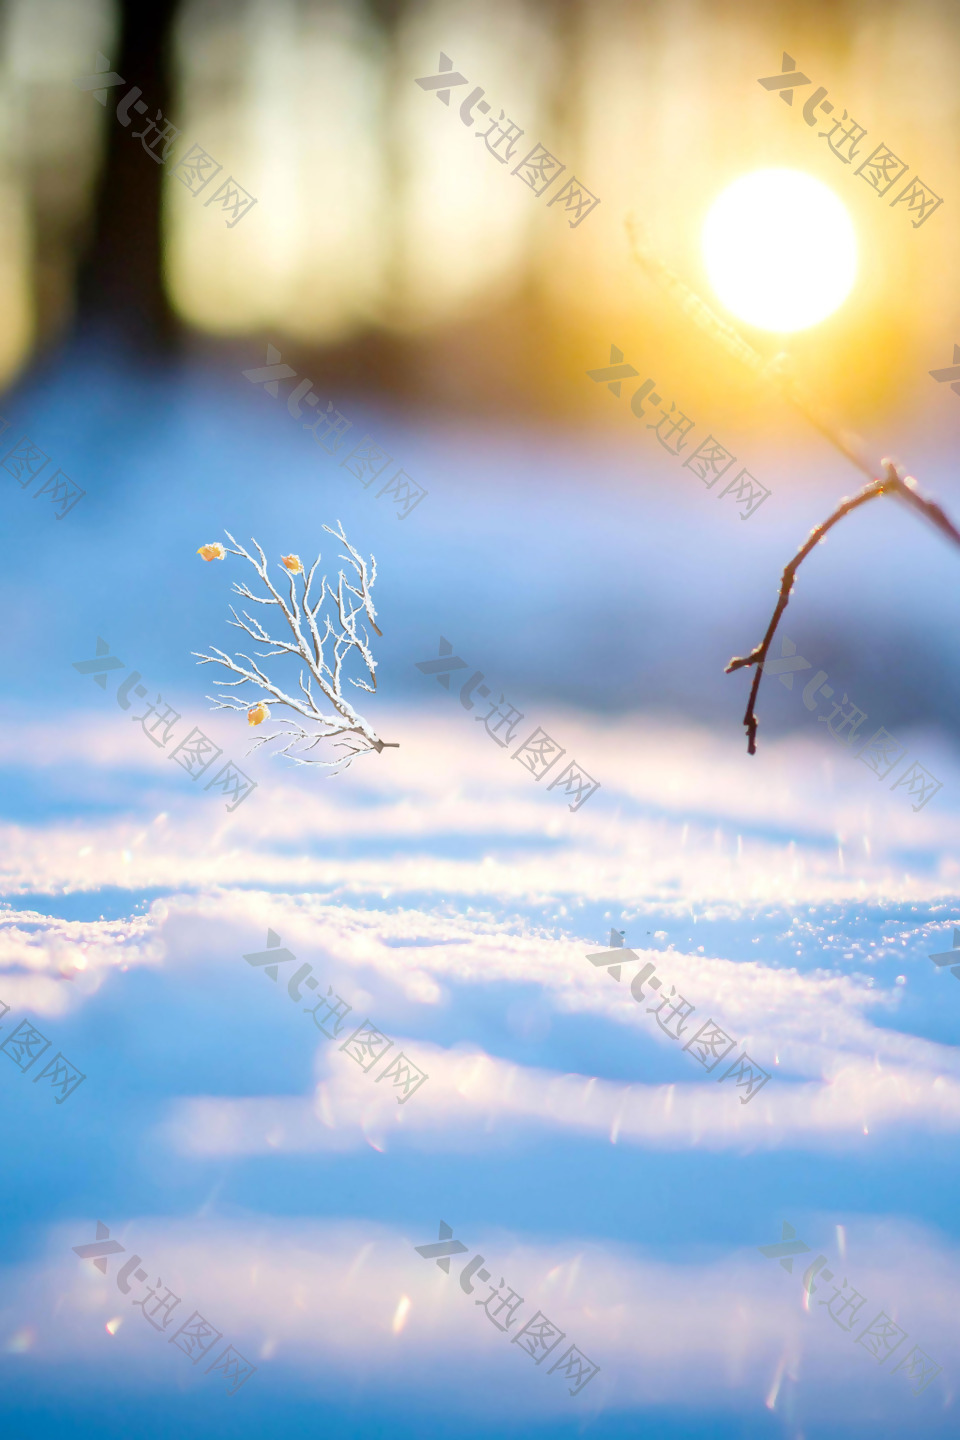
(776, 372)
(891, 484)
(339, 723)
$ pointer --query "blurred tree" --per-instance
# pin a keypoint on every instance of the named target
(120, 287)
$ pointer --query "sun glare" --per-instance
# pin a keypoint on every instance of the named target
(780, 250)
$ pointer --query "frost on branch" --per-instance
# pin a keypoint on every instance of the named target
(322, 652)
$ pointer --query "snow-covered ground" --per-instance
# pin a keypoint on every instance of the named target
(565, 1133)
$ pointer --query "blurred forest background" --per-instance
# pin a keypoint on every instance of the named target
(390, 251)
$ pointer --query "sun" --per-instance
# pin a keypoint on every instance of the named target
(780, 249)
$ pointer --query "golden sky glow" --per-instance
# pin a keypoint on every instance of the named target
(379, 209)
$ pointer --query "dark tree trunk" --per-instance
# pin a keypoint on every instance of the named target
(120, 289)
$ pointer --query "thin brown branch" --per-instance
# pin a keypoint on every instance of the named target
(891, 484)
(776, 372)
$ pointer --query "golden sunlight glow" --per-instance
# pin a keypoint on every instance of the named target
(780, 249)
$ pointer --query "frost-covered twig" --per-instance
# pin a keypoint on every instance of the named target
(321, 651)
(776, 372)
